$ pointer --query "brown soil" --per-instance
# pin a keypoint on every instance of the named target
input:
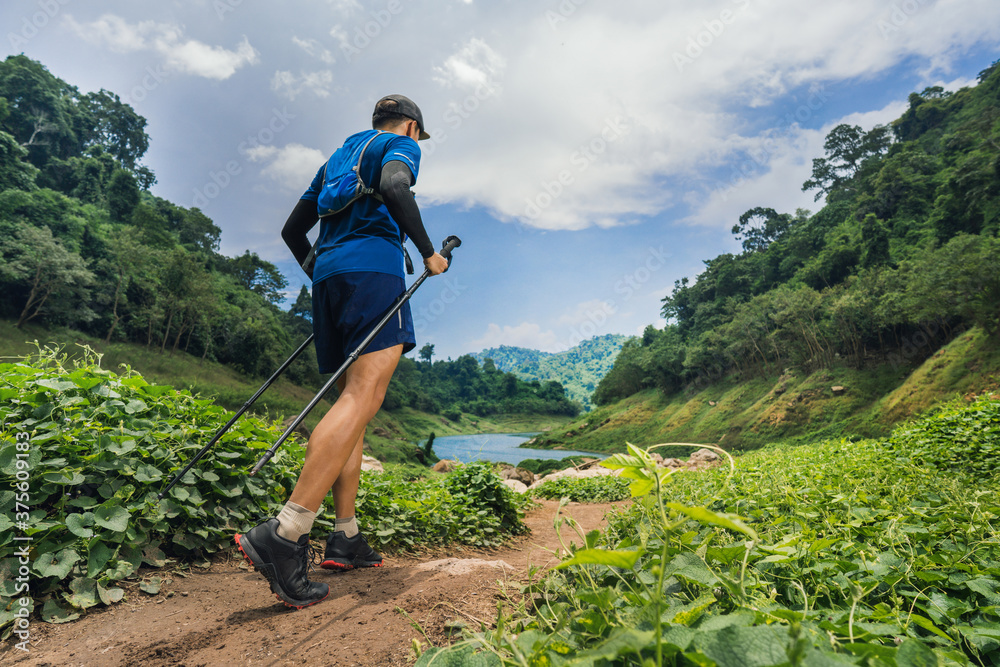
(226, 615)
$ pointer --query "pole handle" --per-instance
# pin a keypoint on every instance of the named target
(450, 244)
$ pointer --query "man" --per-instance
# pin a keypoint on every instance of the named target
(357, 275)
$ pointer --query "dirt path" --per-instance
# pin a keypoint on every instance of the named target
(226, 615)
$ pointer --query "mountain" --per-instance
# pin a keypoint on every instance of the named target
(578, 369)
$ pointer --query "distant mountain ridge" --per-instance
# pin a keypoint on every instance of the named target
(578, 369)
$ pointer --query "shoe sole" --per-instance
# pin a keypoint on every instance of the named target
(344, 566)
(252, 557)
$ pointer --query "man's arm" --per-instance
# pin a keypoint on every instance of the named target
(301, 220)
(395, 183)
(396, 179)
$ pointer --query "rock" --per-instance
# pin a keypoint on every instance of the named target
(703, 456)
(515, 485)
(371, 463)
(301, 429)
(573, 473)
(444, 465)
(838, 390)
(381, 432)
(712, 403)
(672, 463)
(656, 457)
(508, 471)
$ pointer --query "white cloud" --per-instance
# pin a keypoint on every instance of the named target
(292, 167)
(315, 49)
(676, 77)
(291, 86)
(526, 334)
(772, 169)
(184, 55)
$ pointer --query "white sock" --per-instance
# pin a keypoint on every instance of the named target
(349, 526)
(294, 521)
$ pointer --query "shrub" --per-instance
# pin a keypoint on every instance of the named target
(604, 489)
(959, 436)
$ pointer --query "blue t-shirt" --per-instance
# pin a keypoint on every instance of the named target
(365, 237)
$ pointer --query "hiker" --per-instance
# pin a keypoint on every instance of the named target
(357, 273)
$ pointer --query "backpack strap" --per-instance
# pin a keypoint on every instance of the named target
(365, 189)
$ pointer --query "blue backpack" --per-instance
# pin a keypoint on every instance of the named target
(342, 190)
(338, 193)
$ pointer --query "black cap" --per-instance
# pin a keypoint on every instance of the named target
(406, 107)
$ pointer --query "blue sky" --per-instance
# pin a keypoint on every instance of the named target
(589, 153)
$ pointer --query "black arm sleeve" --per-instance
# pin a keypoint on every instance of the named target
(301, 220)
(394, 186)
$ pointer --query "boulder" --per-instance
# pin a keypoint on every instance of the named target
(508, 471)
(838, 390)
(371, 463)
(703, 456)
(574, 473)
(444, 465)
(672, 463)
(515, 485)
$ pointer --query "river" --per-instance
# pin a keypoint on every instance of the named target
(497, 447)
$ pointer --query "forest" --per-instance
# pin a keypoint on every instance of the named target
(84, 244)
(902, 255)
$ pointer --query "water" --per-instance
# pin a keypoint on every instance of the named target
(497, 448)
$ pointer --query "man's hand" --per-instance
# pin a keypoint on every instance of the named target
(436, 264)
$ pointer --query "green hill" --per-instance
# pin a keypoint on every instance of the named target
(793, 406)
(902, 258)
(578, 369)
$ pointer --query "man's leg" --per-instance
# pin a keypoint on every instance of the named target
(278, 548)
(345, 489)
(334, 440)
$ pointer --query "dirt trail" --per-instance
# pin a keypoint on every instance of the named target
(226, 615)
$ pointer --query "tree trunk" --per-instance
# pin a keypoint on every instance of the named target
(166, 332)
(114, 310)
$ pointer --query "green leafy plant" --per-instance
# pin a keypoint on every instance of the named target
(603, 489)
(836, 553)
(960, 436)
(83, 454)
(470, 506)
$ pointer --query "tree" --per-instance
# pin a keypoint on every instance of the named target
(848, 148)
(120, 130)
(874, 243)
(759, 227)
(122, 195)
(302, 308)
(16, 173)
(57, 280)
(258, 275)
(426, 353)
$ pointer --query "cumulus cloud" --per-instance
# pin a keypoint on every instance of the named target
(604, 115)
(184, 55)
(525, 334)
(292, 167)
(315, 49)
(290, 86)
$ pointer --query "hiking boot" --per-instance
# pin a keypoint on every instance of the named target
(283, 563)
(347, 553)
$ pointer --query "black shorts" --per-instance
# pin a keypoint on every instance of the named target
(346, 308)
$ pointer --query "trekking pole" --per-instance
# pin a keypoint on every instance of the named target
(239, 413)
(450, 244)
